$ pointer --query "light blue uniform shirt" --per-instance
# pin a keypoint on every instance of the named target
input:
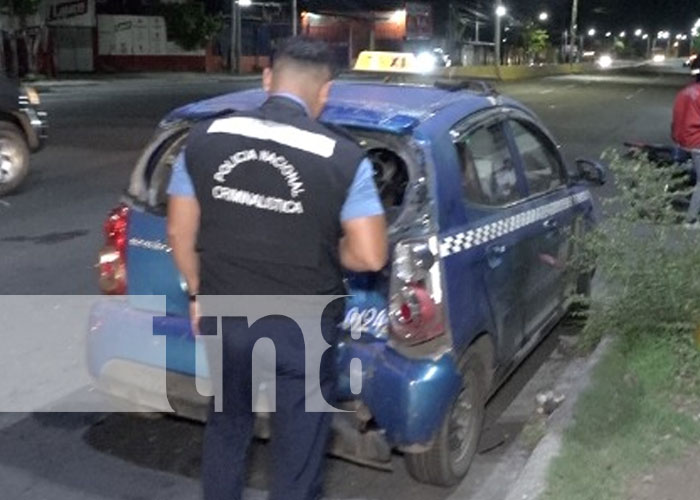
(362, 201)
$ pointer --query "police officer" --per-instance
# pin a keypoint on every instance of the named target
(271, 202)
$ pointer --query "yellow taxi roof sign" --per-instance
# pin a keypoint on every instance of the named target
(392, 62)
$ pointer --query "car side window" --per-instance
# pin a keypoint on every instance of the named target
(541, 165)
(489, 175)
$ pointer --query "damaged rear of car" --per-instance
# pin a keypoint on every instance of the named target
(480, 208)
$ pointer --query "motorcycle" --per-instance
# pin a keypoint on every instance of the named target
(670, 157)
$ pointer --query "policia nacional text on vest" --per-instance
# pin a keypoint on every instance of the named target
(271, 184)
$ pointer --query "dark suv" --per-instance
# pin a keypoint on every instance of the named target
(23, 128)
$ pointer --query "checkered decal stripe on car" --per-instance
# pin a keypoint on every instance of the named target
(460, 242)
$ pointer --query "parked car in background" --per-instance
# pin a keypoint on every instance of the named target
(23, 130)
(483, 216)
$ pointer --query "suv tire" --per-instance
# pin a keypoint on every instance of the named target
(14, 157)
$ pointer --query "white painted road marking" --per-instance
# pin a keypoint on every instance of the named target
(634, 94)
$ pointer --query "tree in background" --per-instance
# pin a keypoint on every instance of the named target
(619, 47)
(19, 11)
(189, 24)
(535, 41)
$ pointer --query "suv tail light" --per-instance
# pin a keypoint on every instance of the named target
(112, 257)
(416, 311)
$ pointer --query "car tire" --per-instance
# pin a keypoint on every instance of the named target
(14, 157)
(450, 455)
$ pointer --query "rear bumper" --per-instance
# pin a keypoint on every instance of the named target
(407, 398)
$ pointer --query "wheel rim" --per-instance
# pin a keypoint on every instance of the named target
(461, 432)
(10, 161)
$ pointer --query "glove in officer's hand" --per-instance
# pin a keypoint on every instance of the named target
(195, 315)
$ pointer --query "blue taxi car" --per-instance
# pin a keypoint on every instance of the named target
(483, 216)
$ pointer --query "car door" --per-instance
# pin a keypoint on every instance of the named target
(492, 192)
(550, 233)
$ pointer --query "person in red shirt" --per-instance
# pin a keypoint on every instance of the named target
(686, 133)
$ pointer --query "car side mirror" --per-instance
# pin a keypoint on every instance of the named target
(591, 172)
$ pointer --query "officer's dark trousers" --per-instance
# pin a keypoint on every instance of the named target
(299, 439)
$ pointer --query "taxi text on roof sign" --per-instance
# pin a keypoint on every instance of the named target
(392, 62)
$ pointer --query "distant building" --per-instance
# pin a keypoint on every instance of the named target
(408, 28)
(107, 35)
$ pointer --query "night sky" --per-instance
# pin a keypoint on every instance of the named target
(613, 15)
(617, 15)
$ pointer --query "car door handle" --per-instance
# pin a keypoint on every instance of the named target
(551, 224)
(497, 250)
(494, 255)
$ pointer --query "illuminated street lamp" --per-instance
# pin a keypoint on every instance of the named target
(623, 34)
(591, 32)
(500, 12)
(543, 16)
(645, 36)
(398, 16)
(638, 32)
(608, 34)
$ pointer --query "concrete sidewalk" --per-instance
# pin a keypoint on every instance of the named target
(76, 81)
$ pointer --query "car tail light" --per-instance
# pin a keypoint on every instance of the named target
(416, 312)
(112, 257)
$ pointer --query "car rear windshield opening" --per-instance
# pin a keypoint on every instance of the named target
(391, 177)
(391, 173)
(160, 168)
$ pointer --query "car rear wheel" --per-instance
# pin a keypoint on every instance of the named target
(448, 459)
(14, 157)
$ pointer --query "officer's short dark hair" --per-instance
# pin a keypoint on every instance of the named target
(305, 51)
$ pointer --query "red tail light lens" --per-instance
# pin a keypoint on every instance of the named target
(115, 228)
(112, 257)
(416, 311)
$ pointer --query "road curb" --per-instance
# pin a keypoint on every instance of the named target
(532, 480)
(48, 86)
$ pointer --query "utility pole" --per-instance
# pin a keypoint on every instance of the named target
(239, 37)
(500, 11)
(295, 18)
(574, 28)
(450, 29)
(234, 53)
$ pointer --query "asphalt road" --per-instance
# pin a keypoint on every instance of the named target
(50, 232)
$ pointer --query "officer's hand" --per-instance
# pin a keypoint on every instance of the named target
(195, 315)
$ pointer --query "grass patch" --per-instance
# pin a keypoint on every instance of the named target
(629, 419)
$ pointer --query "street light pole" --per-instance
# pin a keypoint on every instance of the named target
(500, 11)
(239, 38)
(295, 18)
(234, 36)
(574, 26)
